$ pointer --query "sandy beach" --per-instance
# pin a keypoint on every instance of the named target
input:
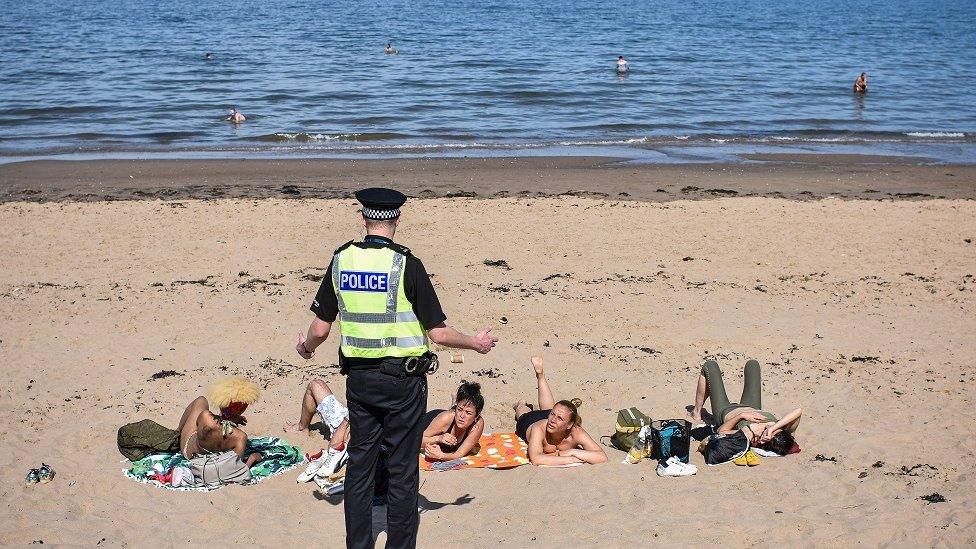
(853, 282)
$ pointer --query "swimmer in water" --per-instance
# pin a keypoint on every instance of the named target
(235, 116)
(622, 65)
(861, 84)
(390, 50)
(208, 56)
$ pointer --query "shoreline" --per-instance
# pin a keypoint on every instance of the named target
(798, 176)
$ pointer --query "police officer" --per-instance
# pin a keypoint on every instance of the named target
(387, 309)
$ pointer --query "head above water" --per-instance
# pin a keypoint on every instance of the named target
(468, 404)
(564, 416)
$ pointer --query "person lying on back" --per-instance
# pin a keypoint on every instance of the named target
(203, 432)
(741, 425)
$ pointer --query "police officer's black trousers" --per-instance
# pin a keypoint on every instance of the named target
(386, 410)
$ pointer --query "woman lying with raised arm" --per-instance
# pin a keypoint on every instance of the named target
(454, 433)
(554, 432)
(758, 427)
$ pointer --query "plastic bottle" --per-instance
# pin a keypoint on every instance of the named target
(640, 449)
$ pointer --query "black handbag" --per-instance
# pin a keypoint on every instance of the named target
(671, 437)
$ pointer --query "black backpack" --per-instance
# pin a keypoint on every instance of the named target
(142, 438)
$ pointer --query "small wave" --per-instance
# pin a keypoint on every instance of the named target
(596, 142)
(306, 136)
(935, 134)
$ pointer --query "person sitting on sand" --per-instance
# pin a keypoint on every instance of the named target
(622, 65)
(318, 398)
(743, 424)
(861, 84)
(235, 116)
(454, 433)
(203, 432)
(554, 432)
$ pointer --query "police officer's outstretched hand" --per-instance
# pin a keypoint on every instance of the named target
(485, 341)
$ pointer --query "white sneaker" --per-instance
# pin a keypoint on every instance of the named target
(690, 468)
(675, 468)
(313, 467)
(334, 460)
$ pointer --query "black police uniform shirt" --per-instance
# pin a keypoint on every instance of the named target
(416, 285)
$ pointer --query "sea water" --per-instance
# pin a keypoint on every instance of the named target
(109, 77)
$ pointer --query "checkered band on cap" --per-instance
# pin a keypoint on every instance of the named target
(370, 213)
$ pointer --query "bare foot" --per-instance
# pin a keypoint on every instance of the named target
(695, 418)
(519, 404)
(292, 426)
(537, 364)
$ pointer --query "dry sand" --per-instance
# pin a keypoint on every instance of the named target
(863, 312)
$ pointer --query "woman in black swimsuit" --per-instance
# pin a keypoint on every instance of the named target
(554, 432)
(454, 433)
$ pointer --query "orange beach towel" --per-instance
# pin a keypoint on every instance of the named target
(497, 451)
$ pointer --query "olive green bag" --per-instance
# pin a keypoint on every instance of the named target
(142, 438)
(629, 423)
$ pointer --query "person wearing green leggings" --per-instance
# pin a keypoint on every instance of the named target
(761, 427)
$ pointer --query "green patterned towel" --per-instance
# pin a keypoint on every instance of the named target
(279, 456)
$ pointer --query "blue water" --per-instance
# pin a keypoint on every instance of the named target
(102, 77)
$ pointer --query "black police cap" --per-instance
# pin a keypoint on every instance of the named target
(380, 203)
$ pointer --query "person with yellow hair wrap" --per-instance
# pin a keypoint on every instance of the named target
(233, 396)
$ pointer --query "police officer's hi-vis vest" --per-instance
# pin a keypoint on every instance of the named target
(376, 319)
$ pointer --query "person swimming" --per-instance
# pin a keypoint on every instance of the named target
(450, 434)
(554, 432)
(861, 84)
(390, 50)
(208, 56)
(622, 65)
(744, 424)
(235, 116)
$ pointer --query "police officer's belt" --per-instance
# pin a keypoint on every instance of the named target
(411, 366)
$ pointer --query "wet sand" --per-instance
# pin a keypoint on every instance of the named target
(800, 176)
(862, 311)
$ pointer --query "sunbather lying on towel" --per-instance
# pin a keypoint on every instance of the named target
(758, 427)
(554, 432)
(203, 432)
(450, 434)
